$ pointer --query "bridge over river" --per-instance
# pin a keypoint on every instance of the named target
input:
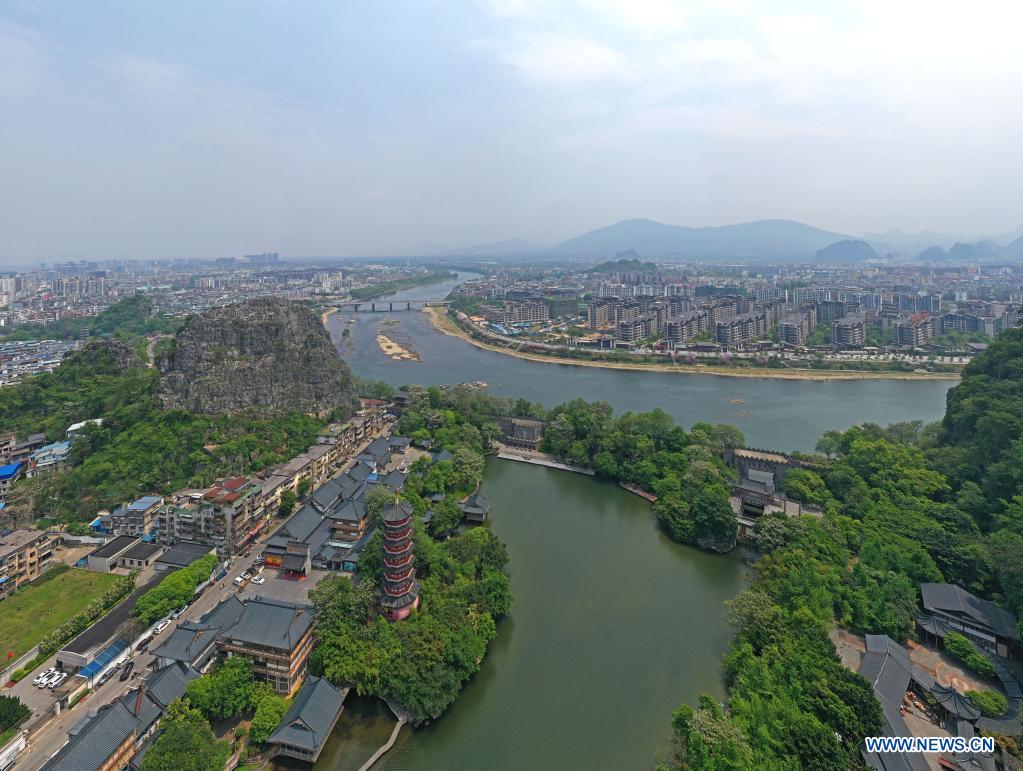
(387, 306)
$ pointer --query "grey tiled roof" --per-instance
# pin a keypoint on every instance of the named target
(169, 683)
(191, 640)
(273, 623)
(311, 717)
(956, 601)
(95, 741)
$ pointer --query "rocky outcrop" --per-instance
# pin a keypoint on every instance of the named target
(267, 354)
(107, 356)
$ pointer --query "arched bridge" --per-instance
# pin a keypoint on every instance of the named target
(387, 306)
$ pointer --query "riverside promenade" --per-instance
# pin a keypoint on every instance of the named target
(538, 459)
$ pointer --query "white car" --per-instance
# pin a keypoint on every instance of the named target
(161, 626)
(259, 580)
(46, 674)
(52, 680)
(179, 611)
(58, 680)
(239, 581)
(246, 575)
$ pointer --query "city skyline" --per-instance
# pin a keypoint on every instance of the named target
(199, 131)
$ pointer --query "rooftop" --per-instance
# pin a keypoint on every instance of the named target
(9, 471)
(311, 716)
(956, 601)
(184, 554)
(271, 623)
(17, 540)
(114, 547)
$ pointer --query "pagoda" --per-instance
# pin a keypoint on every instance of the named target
(399, 592)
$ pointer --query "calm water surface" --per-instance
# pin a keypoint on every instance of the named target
(613, 627)
(779, 414)
(613, 624)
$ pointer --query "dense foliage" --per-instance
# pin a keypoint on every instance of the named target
(684, 470)
(269, 713)
(962, 648)
(139, 448)
(422, 662)
(186, 743)
(991, 703)
(12, 712)
(174, 591)
(902, 505)
(130, 317)
(227, 691)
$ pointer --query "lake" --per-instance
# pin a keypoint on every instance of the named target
(613, 627)
(613, 624)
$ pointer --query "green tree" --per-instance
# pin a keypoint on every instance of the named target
(186, 743)
(225, 692)
(269, 714)
(288, 501)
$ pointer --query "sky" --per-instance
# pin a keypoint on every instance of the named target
(209, 128)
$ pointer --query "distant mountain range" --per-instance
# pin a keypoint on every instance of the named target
(774, 239)
(764, 239)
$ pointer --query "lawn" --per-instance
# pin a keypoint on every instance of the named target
(34, 611)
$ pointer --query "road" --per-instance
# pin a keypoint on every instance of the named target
(47, 741)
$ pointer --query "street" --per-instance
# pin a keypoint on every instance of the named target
(48, 740)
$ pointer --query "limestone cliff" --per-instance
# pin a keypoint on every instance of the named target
(268, 354)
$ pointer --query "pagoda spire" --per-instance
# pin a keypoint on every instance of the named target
(399, 590)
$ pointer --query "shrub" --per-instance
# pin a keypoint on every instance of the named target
(269, 715)
(173, 591)
(961, 648)
(991, 703)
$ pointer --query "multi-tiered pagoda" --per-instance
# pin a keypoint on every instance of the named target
(399, 592)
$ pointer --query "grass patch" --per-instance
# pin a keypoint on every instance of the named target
(34, 611)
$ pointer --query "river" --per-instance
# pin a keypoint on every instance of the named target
(613, 625)
(777, 414)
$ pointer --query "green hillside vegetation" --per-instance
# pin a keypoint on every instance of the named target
(903, 505)
(139, 448)
(624, 265)
(128, 318)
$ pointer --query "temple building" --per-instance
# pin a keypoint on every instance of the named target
(399, 592)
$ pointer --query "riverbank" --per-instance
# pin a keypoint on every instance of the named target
(395, 350)
(442, 323)
(506, 452)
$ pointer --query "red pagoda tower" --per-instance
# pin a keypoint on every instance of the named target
(399, 592)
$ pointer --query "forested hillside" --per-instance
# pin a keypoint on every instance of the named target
(905, 504)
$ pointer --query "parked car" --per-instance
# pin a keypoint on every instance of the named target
(143, 644)
(259, 580)
(246, 575)
(260, 559)
(239, 580)
(107, 675)
(161, 626)
(46, 674)
(126, 671)
(179, 611)
(58, 680)
(49, 680)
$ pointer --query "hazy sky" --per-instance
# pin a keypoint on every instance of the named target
(206, 128)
